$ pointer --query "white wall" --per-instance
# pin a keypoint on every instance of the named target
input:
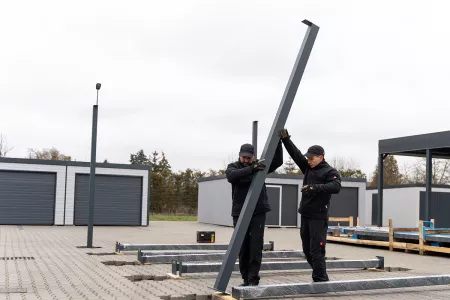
(214, 202)
(402, 205)
(70, 188)
(60, 183)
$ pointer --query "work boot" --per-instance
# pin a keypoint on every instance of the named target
(245, 283)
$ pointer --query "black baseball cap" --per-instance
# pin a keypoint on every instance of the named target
(247, 150)
(315, 150)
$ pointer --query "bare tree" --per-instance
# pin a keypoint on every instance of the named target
(415, 172)
(48, 154)
(347, 167)
(4, 149)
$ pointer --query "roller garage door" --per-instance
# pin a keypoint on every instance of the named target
(118, 200)
(344, 204)
(27, 198)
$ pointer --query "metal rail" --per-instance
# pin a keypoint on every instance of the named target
(132, 247)
(149, 257)
(278, 266)
(297, 289)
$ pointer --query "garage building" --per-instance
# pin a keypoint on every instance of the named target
(283, 190)
(46, 192)
(405, 205)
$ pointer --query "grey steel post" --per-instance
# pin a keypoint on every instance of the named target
(255, 137)
(380, 190)
(429, 177)
(267, 154)
(92, 173)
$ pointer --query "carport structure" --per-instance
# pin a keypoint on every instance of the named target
(430, 145)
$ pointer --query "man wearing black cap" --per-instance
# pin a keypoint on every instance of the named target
(240, 175)
(319, 182)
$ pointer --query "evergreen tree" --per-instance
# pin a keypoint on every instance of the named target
(391, 173)
(139, 158)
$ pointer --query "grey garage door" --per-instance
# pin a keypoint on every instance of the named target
(440, 208)
(344, 204)
(118, 200)
(27, 198)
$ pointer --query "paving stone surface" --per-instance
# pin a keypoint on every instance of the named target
(46, 262)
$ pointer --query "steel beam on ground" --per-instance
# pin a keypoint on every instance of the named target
(133, 247)
(182, 257)
(296, 289)
(268, 153)
(285, 265)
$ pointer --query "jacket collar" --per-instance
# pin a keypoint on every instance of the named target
(322, 164)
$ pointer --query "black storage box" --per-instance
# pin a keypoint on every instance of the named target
(206, 236)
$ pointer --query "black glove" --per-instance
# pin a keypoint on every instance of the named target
(258, 166)
(284, 134)
(309, 189)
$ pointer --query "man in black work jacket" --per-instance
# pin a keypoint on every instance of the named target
(319, 182)
(240, 175)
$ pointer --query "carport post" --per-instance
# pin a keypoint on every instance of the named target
(268, 153)
(255, 137)
(92, 173)
(429, 178)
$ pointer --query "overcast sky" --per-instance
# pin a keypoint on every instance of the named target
(189, 77)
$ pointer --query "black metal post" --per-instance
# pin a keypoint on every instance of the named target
(255, 137)
(380, 189)
(92, 172)
(267, 154)
(429, 177)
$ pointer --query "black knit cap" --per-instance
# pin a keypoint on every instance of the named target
(315, 150)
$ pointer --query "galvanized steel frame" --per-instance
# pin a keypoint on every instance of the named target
(188, 267)
(267, 154)
(155, 257)
(297, 289)
(133, 247)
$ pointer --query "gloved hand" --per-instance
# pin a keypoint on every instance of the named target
(258, 165)
(309, 189)
(284, 134)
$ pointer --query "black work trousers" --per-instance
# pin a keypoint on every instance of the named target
(250, 254)
(313, 233)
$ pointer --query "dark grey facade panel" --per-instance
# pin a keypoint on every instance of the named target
(71, 163)
(417, 143)
(118, 200)
(440, 208)
(27, 198)
(289, 205)
(273, 216)
(344, 204)
(374, 208)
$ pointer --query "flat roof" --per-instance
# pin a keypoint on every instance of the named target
(416, 145)
(70, 163)
(281, 176)
(408, 185)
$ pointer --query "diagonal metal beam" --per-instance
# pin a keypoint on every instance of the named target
(267, 154)
(210, 267)
(296, 289)
(147, 257)
(132, 247)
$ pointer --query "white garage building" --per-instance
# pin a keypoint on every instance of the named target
(46, 192)
(214, 200)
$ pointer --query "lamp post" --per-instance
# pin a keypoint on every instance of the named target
(92, 173)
